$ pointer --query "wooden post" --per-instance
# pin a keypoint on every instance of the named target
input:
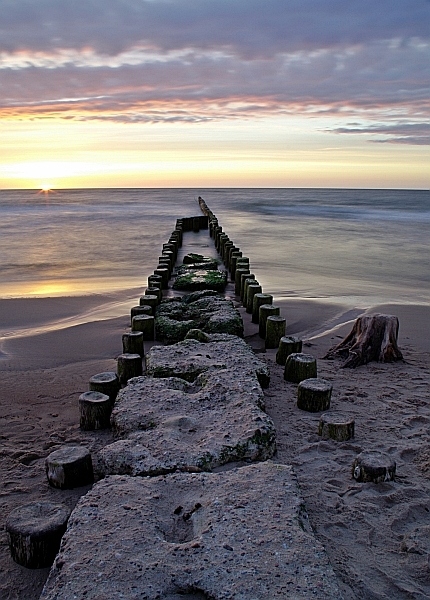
(253, 288)
(136, 311)
(129, 365)
(258, 300)
(155, 281)
(34, 533)
(69, 467)
(288, 344)
(245, 280)
(132, 343)
(337, 426)
(299, 367)
(153, 291)
(145, 324)
(313, 395)
(375, 466)
(275, 329)
(234, 256)
(265, 311)
(94, 409)
(164, 275)
(239, 272)
(105, 383)
(151, 301)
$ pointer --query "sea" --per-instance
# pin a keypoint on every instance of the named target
(355, 247)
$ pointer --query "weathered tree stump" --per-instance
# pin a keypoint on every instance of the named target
(300, 366)
(145, 324)
(265, 311)
(288, 344)
(314, 394)
(275, 329)
(151, 301)
(105, 383)
(252, 289)
(34, 533)
(95, 409)
(336, 426)
(139, 310)
(258, 300)
(372, 338)
(129, 365)
(69, 467)
(375, 466)
(132, 343)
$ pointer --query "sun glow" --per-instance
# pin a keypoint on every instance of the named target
(46, 187)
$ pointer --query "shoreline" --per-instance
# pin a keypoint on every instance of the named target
(42, 375)
(32, 330)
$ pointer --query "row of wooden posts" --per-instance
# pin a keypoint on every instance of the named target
(313, 395)
(35, 530)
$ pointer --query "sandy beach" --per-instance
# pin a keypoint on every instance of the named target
(376, 536)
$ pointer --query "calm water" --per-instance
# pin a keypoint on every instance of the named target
(357, 246)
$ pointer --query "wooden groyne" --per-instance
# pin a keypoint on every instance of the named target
(191, 504)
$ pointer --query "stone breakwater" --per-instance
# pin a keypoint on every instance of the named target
(191, 505)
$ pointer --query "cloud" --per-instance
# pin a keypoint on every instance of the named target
(201, 60)
(417, 133)
(248, 28)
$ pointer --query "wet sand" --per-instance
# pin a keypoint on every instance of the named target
(376, 536)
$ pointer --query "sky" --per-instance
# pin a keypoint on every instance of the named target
(215, 93)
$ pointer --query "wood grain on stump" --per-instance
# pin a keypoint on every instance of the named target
(129, 365)
(266, 310)
(69, 467)
(275, 329)
(94, 409)
(314, 394)
(288, 344)
(372, 338)
(105, 383)
(336, 426)
(300, 366)
(132, 343)
(34, 533)
(375, 466)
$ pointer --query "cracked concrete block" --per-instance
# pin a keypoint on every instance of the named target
(189, 358)
(168, 424)
(241, 534)
(211, 314)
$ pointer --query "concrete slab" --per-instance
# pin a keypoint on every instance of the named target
(169, 424)
(237, 535)
(211, 314)
(189, 358)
